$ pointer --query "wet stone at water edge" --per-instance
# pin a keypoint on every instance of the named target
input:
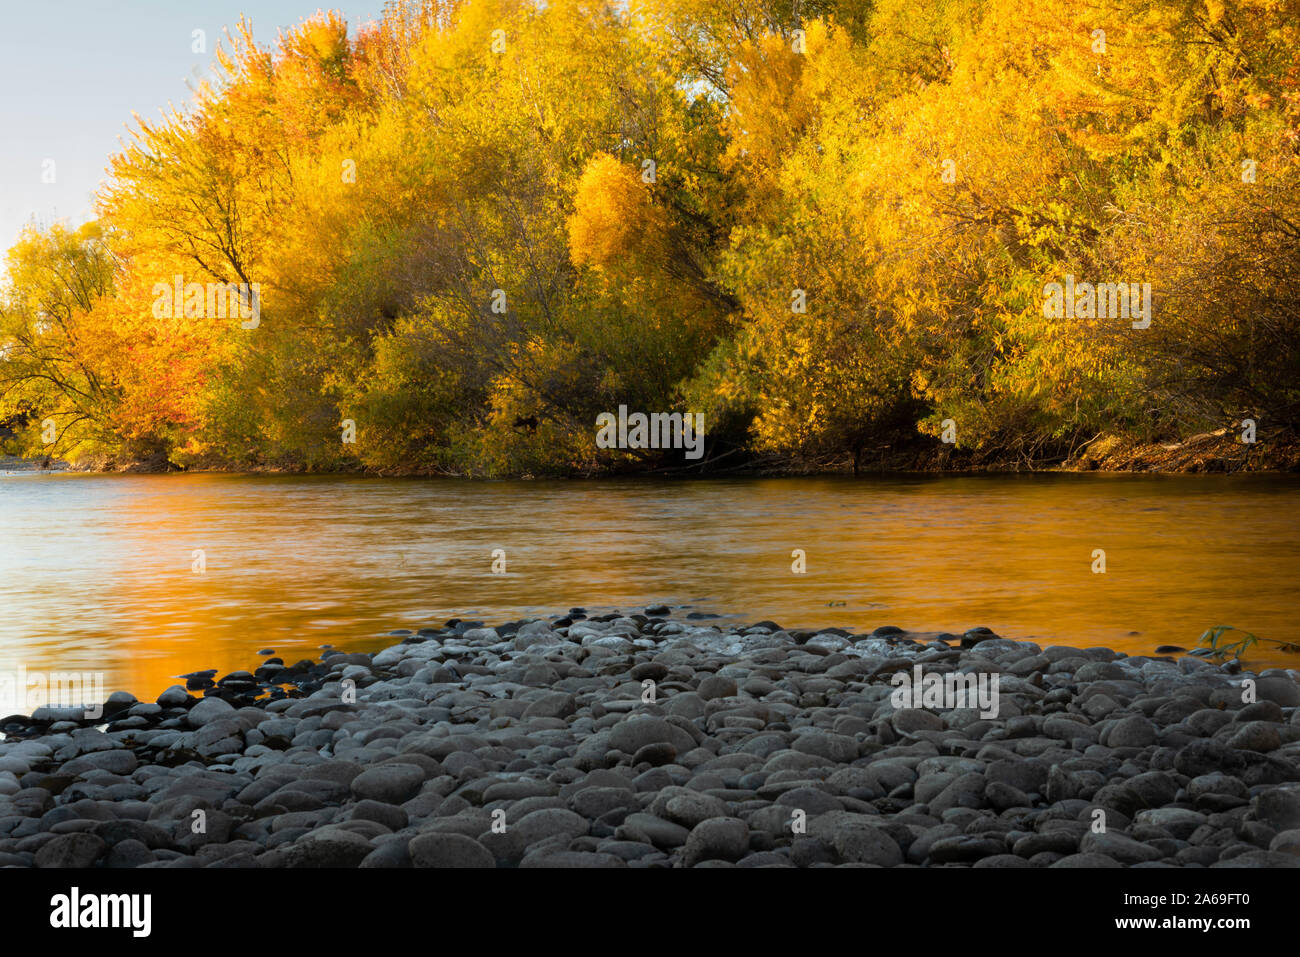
(648, 740)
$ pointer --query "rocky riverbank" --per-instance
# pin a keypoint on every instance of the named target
(537, 744)
(1219, 451)
(14, 463)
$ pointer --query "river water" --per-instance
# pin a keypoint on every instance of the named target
(98, 573)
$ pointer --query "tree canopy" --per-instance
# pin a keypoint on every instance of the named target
(475, 225)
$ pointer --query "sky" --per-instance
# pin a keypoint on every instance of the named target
(72, 72)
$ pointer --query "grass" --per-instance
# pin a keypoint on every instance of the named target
(1217, 644)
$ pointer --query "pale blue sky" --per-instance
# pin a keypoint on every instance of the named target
(72, 72)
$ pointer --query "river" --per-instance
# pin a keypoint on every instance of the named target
(100, 572)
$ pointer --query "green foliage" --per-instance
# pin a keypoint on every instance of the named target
(1216, 643)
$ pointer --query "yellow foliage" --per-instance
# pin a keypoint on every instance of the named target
(613, 218)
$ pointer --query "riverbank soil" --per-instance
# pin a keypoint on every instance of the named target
(1221, 450)
(12, 463)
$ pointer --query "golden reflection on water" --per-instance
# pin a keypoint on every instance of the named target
(95, 571)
